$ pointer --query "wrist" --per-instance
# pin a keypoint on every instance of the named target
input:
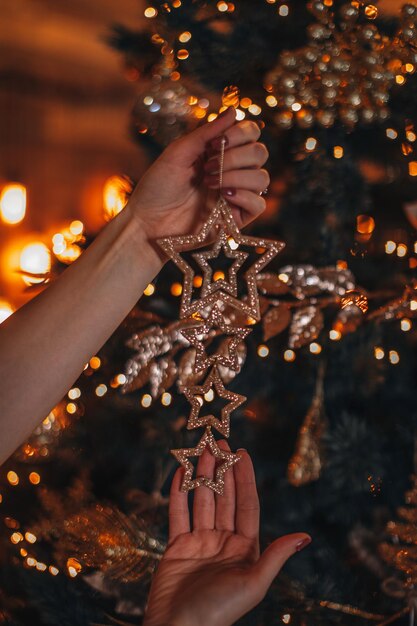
(149, 249)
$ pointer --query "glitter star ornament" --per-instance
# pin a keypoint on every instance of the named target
(213, 324)
(196, 395)
(207, 441)
(222, 223)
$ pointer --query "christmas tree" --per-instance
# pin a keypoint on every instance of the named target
(329, 371)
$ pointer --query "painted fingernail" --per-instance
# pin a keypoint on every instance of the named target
(212, 166)
(229, 191)
(216, 143)
(303, 544)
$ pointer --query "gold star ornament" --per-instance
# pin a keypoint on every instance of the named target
(207, 441)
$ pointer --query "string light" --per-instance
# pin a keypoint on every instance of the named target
(412, 168)
(338, 152)
(16, 538)
(30, 537)
(176, 289)
(394, 357)
(289, 356)
(401, 250)
(146, 400)
(166, 399)
(379, 353)
(13, 478)
(6, 310)
(405, 324)
(311, 144)
(53, 570)
(149, 290)
(95, 362)
(34, 478)
(101, 390)
(263, 351)
(283, 10)
(71, 408)
(150, 12)
(35, 259)
(74, 393)
(13, 203)
(315, 348)
(335, 335)
(391, 133)
(390, 247)
(73, 567)
(209, 396)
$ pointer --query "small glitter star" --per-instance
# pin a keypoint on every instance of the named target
(220, 218)
(195, 394)
(182, 455)
(197, 335)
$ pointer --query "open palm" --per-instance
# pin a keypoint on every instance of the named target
(213, 574)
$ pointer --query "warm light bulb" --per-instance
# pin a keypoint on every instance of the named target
(35, 259)
(13, 203)
(6, 310)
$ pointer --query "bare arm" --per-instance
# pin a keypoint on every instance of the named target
(45, 345)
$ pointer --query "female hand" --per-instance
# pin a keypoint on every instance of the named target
(214, 573)
(172, 197)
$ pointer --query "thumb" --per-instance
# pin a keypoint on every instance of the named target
(193, 145)
(275, 556)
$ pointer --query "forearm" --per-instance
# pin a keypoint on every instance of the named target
(45, 344)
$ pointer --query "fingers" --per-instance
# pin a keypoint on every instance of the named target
(245, 205)
(274, 557)
(252, 180)
(191, 146)
(247, 156)
(238, 135)
(226, 504)
(247, 501)
(204, 504)
(179, 517)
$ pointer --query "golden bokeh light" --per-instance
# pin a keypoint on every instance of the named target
(13, 203)
(34, 260)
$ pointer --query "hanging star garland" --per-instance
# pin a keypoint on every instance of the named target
(196, 335)
(229, 459)
(195, 397)
(220, 220)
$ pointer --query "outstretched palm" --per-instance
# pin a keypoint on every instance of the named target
(213, 574)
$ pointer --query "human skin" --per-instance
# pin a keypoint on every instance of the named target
(212, 572)
(45, 345)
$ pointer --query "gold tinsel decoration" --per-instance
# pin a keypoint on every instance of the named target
(104, 538)
(305, 465)
(347, 69)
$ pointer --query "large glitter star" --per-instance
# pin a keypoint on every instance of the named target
(197, 334)
(220, 218)
(207, 440)
(209, 285)
(195, 397)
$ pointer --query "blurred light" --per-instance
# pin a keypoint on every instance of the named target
(149, 290)
(71, 408)
(121, 379)
(335, 335)
(286, 618)
(53, 570)
(218, 276)
(35, 258)
(41, 566)
(76, 227)
(176, 289)
(338, 152)
(284, 278)
(13, 203)
(148, 100)
(101, 390)
(390, 247)
(16, 538)
(311, 144)
(209, 396)
(222, 7)
(30, 537)
(411, 136)
(271, 101)
(263, 351)
(150, 12)
(245, 103)
(31, 561)
(405, 324)
(296, 106)
(409, 68)
(183, 54)
(23, 552)
(283, 10)
(197, 281)
(391, 133)
(240, 115)
(6, 310)
(74, 393)
(379, 353)
(412, 168)
(34, 478)
(146, 400)
(289, 355)
(399, 79)
(185, 36)
(254, 109)
(394, 357)
(365, 224)
(315, 348)
(95, 362)
(413, 305)
(73, 567)
(233, 245)
(212, 117)
(13, 478)
(401, 249)
(166, 399)
(115, 196)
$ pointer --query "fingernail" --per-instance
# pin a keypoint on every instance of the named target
(229, 191)
(212, 166)
(216, 143)
(303, 544)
